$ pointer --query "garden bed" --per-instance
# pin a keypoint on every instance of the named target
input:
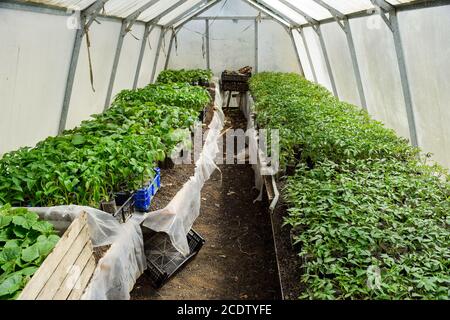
(368, 217)
(237, 260)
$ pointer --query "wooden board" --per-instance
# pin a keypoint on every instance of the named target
(67, 270)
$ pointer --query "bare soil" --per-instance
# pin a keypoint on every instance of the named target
(238, 258)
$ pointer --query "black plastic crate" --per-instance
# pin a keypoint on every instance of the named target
(235, 86)
(163, 260)
(125, 204)
(232, 77)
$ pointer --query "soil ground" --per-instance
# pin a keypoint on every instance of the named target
(238, 259)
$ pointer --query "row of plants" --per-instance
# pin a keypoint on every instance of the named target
(25, 242)
(370, 218)
(113, 152)
(194, 77)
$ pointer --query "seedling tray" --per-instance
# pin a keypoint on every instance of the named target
(163, 260)
(143, 197)
(230, 77)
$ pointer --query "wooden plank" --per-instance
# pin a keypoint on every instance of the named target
(61, 272)
(85, 277)
(40, 278)
(74, 273)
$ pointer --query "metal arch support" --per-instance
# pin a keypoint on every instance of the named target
(149, 26)
(87, 16)
(275, 16)
(344, 23)
(208, 45)
(194, 14)
(256, 45)
(398, 44)
(184, 14)
(268, 7)
(169, 52)
(318, 30)
(356, 69)
(291, 34)
(308, 54)
(158, 51)
(127, 24)
(307, 17)
(148, 30)
(334, 12)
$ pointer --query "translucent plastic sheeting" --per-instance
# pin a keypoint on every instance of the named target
(123, 9)
(280, 57)
(375, 50)
(85, 101)
(307, 68)
(350, 6)
(149, 58)
(128, 61)
(70, 4)
(34, 63)
(178, 217)
(235, 8)
(279, 8)
(232, 45)
(117, 271)
(311, 8)
(156, 9)
(428, 66)
(190, 51)
(317, 57)
(341, 63)
(180, 10)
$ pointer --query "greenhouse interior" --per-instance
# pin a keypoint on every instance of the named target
(224, 150)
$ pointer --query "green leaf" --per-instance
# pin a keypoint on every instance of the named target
(11, 284)
(5, 221)
(31, 253)
(78, 140)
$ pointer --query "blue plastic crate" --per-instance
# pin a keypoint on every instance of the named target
(143, 197)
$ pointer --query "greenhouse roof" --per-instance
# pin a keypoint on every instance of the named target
(172, 13)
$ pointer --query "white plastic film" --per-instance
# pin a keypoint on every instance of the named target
(120, 267)
(180, 214)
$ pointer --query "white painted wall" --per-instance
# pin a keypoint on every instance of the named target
(85, 102)
(426, 44)
(35, 51)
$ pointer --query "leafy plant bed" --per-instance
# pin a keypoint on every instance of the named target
(25, 242)
(369, 219)
(194, 77)
(115, 151)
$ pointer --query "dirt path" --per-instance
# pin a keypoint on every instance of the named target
(237, 260)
